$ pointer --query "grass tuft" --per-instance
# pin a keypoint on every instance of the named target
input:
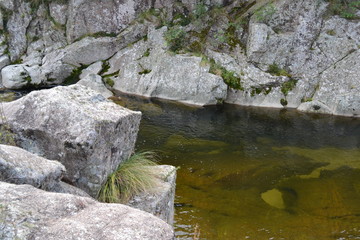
(132, 177)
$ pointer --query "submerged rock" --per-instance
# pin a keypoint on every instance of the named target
(90, 135)
(30, 213)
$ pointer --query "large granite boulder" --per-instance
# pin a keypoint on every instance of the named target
(30, 213)
(148, 69)
(338, 90)
(77, 126)
(21, 167)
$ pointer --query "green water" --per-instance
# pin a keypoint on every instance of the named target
(250, 173)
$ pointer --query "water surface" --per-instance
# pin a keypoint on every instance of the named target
(255, 173)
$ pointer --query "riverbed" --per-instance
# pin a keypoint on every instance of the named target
(257, 173)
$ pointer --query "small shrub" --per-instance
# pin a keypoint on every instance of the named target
(287, 86)
(283, 102)
(175, 38)
(230, 78)
(131, 177)
(274, 69)
(200, 10)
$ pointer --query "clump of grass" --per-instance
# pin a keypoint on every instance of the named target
(132, 177)
(175, 38)
(344, 8)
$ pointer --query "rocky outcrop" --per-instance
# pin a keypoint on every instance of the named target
(21, 167)
(160, 200)
(30, 213)
(278, 53)
(148, 69)
(77, 126)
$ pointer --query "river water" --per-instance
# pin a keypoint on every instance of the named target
(256, 173)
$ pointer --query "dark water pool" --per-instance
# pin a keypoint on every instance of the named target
(253, 173)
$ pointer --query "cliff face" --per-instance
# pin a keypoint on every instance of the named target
(299, 54)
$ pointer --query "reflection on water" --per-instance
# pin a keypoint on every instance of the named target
(257, 173)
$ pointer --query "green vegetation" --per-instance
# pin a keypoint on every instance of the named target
(131, 177)
(230, 77)
(264, 13)
(274, 69)
(283, 102)
(287, 86)
(175, 38)
(200, 10)
(109, 81)
(145, 71)
(146, 53)
(74, 76)
(344, 8)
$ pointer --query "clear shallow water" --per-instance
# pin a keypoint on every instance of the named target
(253, 173)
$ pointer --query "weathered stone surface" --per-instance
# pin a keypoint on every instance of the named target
(16, 27)
(14, 76)
(58, 11)
(4, 61)
(21, 167)
(94, 68)
(62, 187)
(95, 82)
(160, 201)
(148, 69)
(30, 213)
(92, 16)
(78, 127)
(339, 87)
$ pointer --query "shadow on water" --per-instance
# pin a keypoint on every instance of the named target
(257, 173)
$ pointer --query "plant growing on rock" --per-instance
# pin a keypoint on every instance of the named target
(132, 177)
(175, 38)
(344, 8)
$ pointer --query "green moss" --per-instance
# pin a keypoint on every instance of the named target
(265, 89)
(283, 102)
(181, 19)
(74, 76)
(344, 8)
(306, 99)
(230, 77)
(145, 71)
(105, 68)
(109, 81)
(274, 69)
(146, 53)
(175, 38)
(287, 86)
(331, 32)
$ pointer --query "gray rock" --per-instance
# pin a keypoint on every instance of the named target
(4, 61)
(58, 11)
(62, 187)
(16, 27)
(15, 76)
(7, 4)
(21, 167)
(94, 68)
(95, 82)
(339, 86)
(90, 50)
(147, 69)
(314, 107)
(159, 201)
(77, 126)
(86, 17)
(30, 213)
